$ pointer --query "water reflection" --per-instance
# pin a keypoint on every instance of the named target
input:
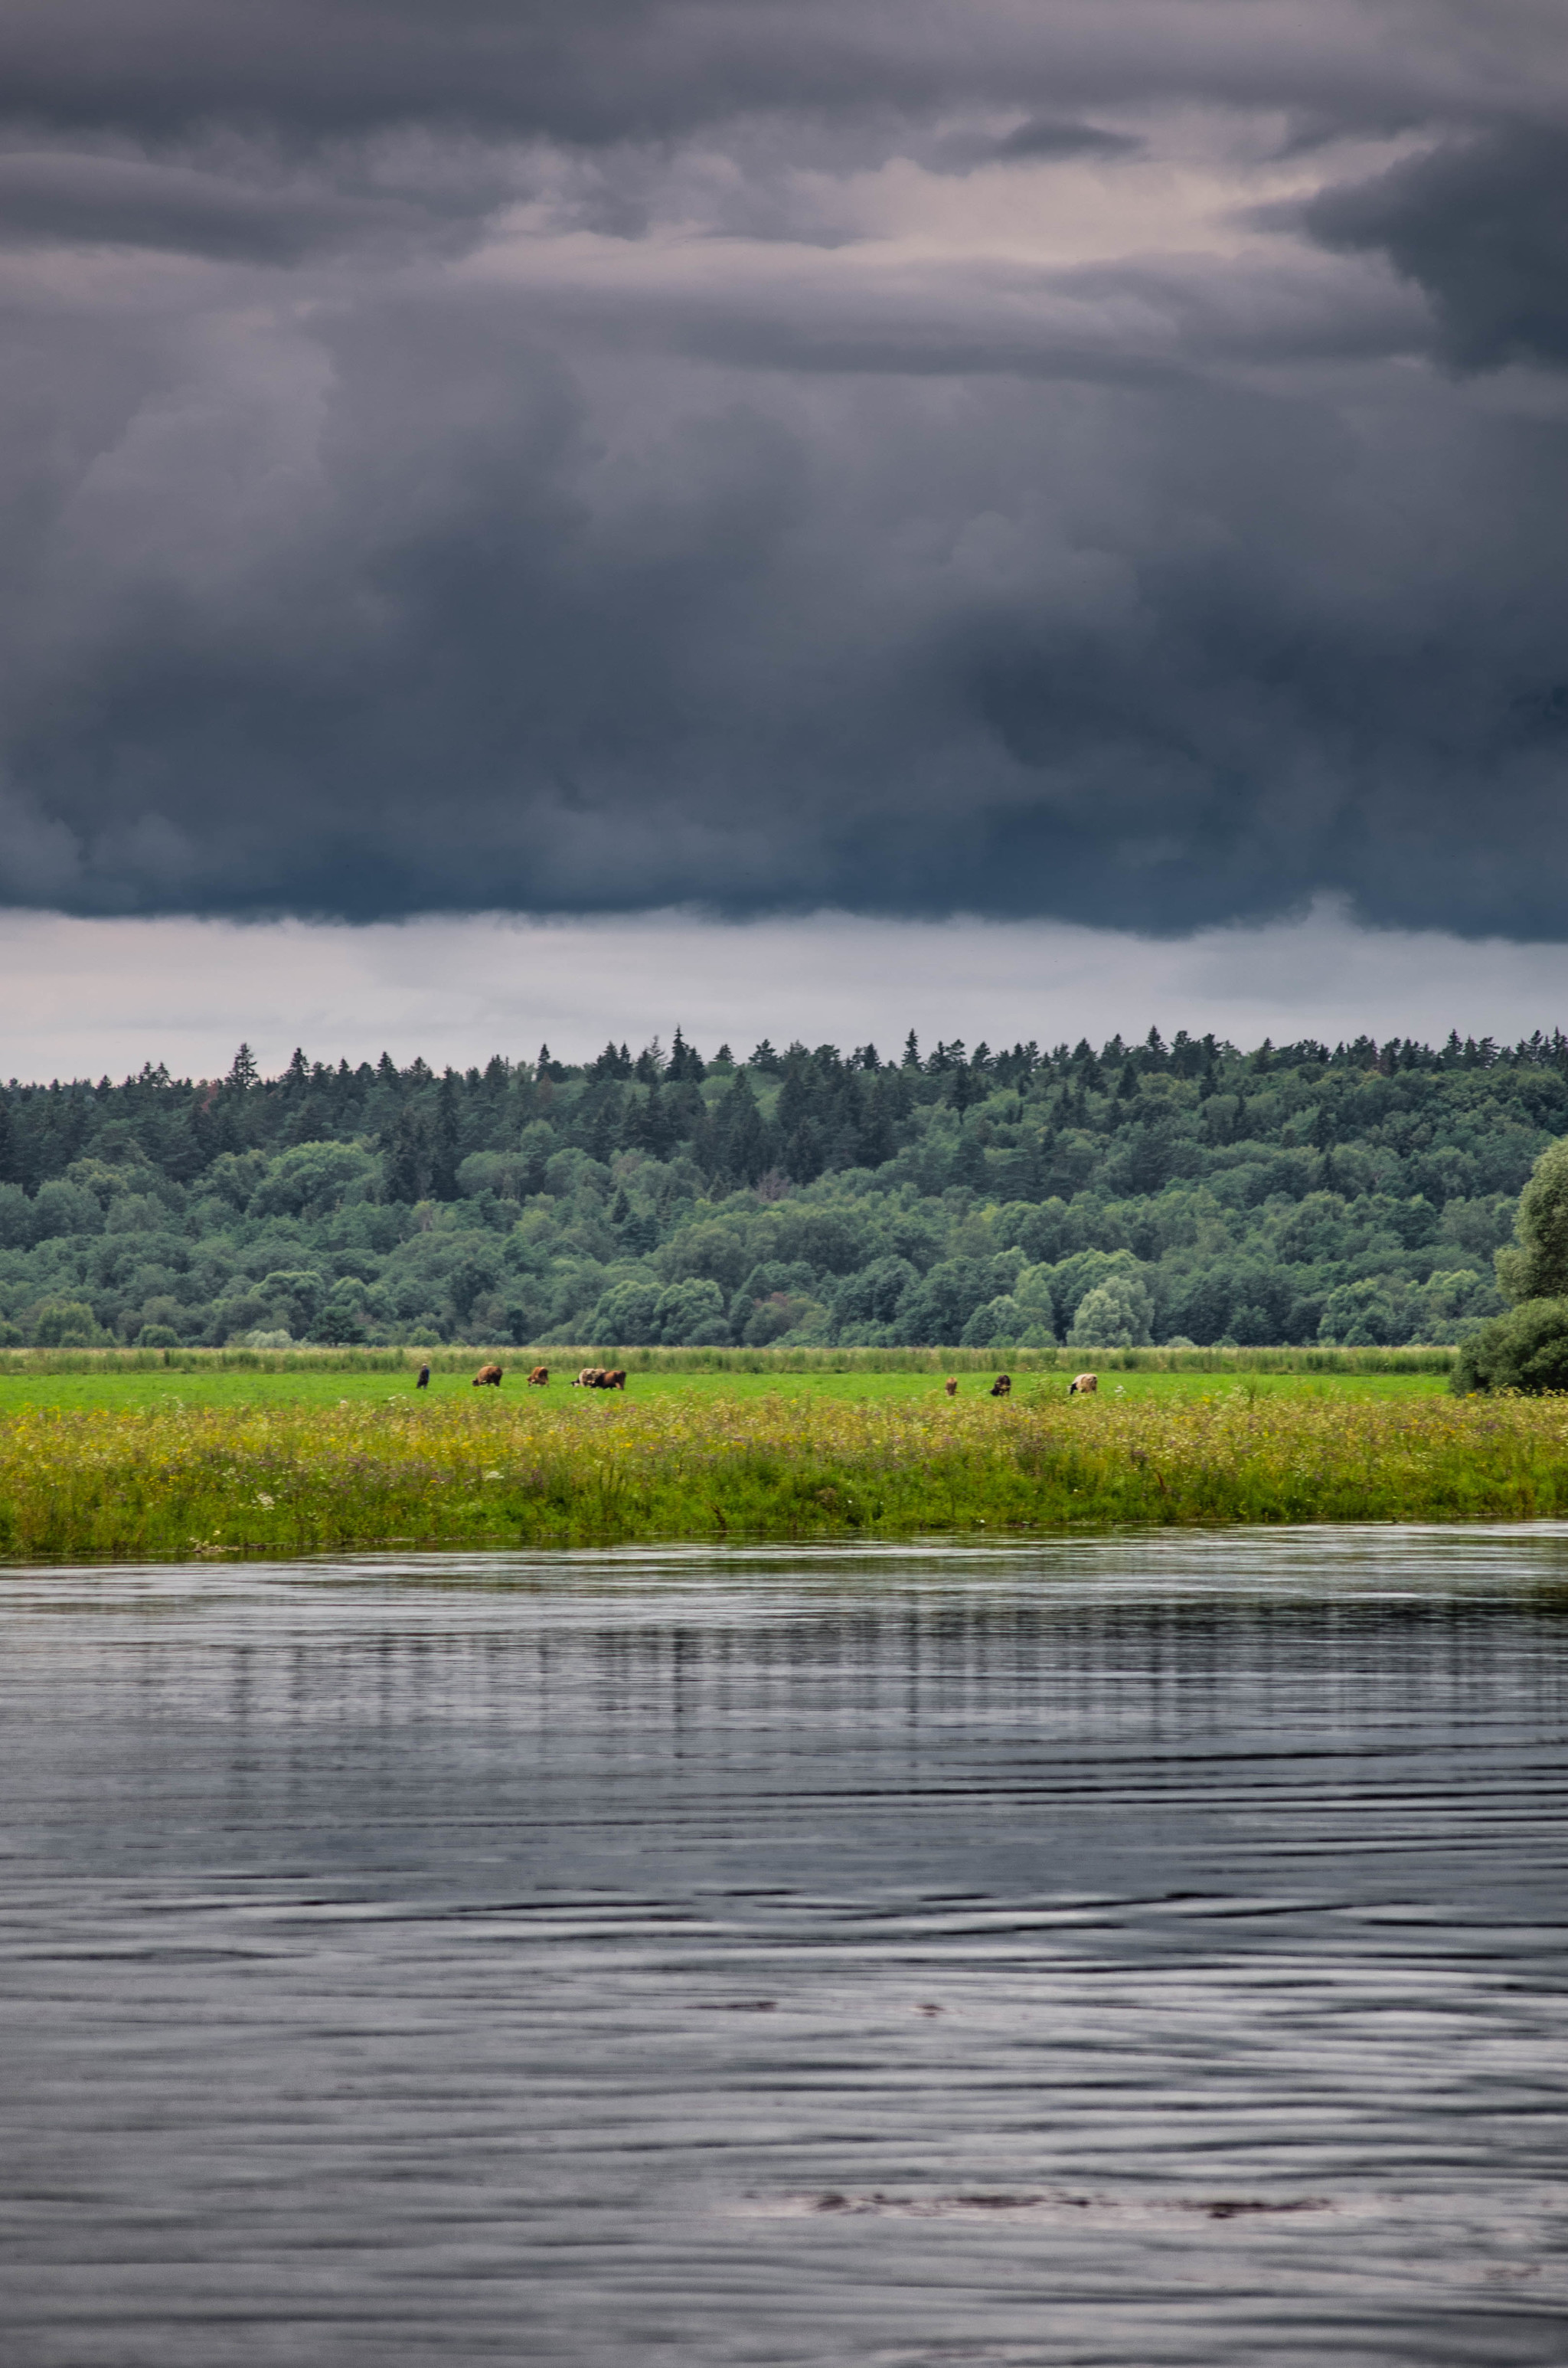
(1129, 1952)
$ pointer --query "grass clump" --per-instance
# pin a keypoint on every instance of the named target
(177, 1482)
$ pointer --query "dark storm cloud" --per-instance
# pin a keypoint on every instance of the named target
(962, 151)
(781, 456)
(75, 200)
(609, 70)
(1483, 226)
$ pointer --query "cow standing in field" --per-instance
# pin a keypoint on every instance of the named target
(424, 1381)
(538, 1377)
(1002, 1387)
(487, 1377)
(1085, 1386)
(599, 1377)
(616, 1381)
(951, 1387)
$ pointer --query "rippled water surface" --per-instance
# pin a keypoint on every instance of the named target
(1128, 1952)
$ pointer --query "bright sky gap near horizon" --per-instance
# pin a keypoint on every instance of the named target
(90, 998)
(552, 522)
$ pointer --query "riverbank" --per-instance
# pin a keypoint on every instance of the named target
(177, 1481)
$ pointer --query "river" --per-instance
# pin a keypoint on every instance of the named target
(1096, 1954)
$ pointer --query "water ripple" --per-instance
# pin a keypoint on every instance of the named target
(1126, 1952)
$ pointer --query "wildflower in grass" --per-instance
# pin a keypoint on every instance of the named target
(162, 1482)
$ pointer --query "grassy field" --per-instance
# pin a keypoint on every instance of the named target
(175, 1465)
(130, 1388)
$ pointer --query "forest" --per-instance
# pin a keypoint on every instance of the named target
(1180, 1192)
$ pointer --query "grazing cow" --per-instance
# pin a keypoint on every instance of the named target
(424, 1381)
(588, 1379)
(538, 1377)
(616, 1381)
(951, 1387)
(487, 1377)
(1002, 1387)
(1085, 1386)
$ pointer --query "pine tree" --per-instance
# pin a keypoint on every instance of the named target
(446, 1147)
(408, 1160)
(964, 1089)
(743, 1144)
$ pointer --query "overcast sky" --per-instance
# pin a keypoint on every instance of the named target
(83, 998)
(1085, 464)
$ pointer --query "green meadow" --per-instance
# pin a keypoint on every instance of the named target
(141, 1460)
(84, 1382)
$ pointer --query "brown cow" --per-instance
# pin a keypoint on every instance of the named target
(424, 1381)
(616, 1381)
(538, 1377)
(1085, 1386)
(951, 1387)
(488, 1376)
(1002, 1387)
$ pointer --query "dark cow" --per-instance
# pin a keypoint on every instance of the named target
(424, 1381)
(616, 1381)
(1085, 1386)
(599, 1377)
(487, 1377)
(951, 1387)
(538, 1377)
(1002, 1387)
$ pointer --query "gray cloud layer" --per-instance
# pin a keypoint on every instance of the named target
(1105, 462)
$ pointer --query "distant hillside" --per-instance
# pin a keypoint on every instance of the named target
(1186, 1191)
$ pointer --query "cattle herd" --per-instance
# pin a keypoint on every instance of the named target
(602, 1377)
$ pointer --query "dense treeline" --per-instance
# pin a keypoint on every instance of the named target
(1109, 1197)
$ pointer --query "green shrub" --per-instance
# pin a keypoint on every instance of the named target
(158, 1336)
(1526, 1349)
(68, 1324)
